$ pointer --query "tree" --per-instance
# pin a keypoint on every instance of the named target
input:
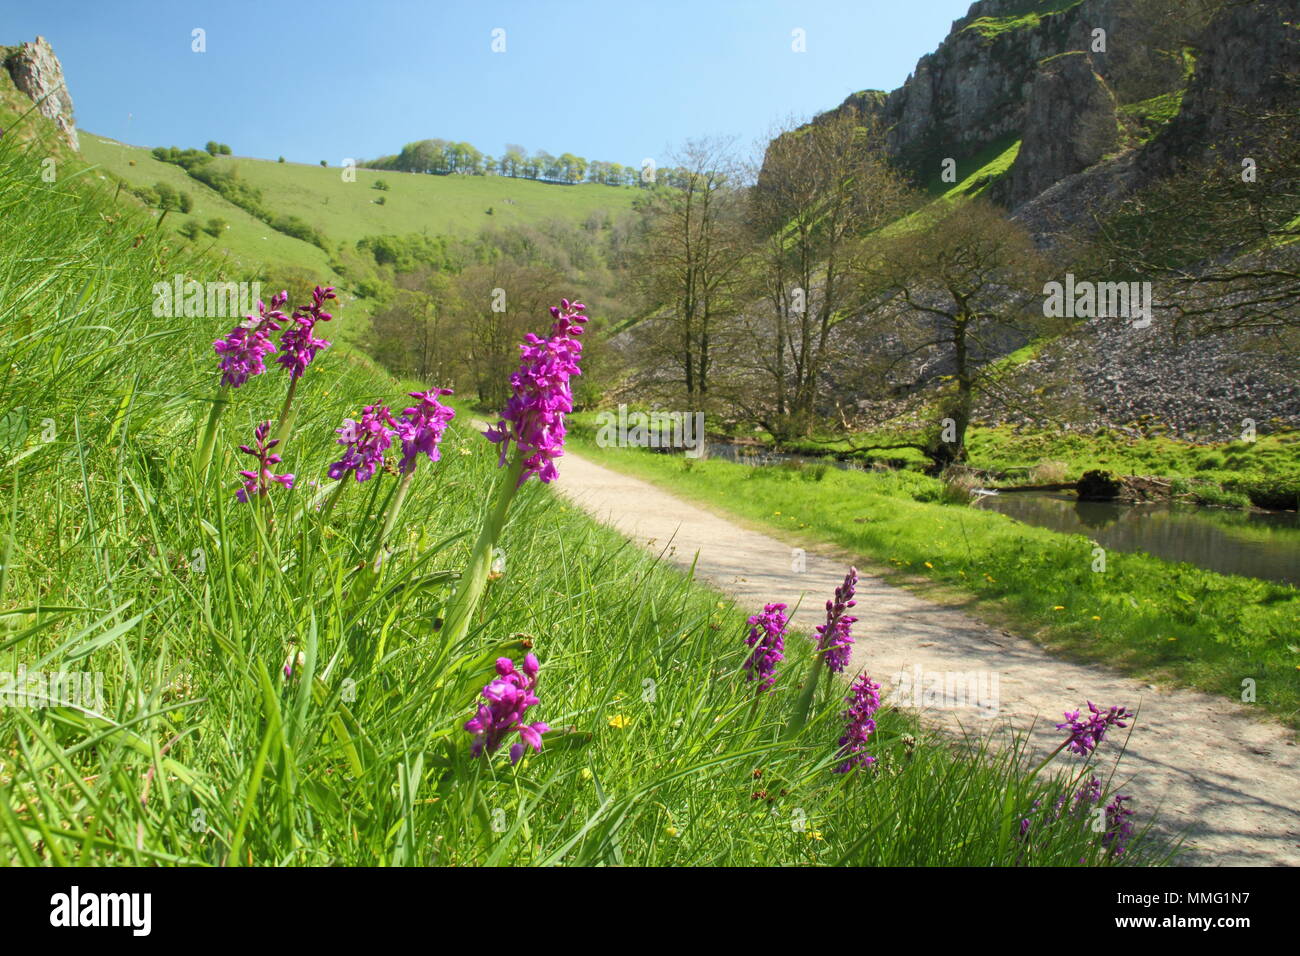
(492, 305)
(1233, 263)
(965, 286)
(512, 163)
(693, 259)
(408, 333)
(821, 188)
(572, 168)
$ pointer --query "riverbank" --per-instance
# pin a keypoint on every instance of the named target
(1263, 472)
(1157, 620)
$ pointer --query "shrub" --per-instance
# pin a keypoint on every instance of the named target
(958, 486)
(1048, 472)
(1212, 494)
(299, 229)
(1278, 492)
(1097, 485)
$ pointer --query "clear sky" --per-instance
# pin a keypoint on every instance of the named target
(331, 79)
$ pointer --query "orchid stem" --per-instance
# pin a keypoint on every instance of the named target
(335, 495)
(390, 520)
(474, 580)
(286, 415)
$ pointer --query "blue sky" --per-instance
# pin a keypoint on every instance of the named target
(329, 79)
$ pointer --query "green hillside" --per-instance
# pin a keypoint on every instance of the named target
(414, 202)
(249, 242)
(347, 211)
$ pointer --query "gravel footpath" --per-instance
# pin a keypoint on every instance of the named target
(1221, 774)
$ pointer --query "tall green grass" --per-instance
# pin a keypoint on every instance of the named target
(119, 558)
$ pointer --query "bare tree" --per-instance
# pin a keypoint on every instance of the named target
(692, 261)
(822, 187)
(492, 305)
(1222, 233)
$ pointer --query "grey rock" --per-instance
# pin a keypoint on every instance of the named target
(36, 71)
(1071, 122)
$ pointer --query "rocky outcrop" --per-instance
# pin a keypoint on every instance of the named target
(1016, 69)
(974, 89)
(1005, 71)
(1247, 66)
(1070, 123)
(1067, 211)
(36, 71)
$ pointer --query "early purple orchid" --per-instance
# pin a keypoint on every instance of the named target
(508, 697)
(259, 482)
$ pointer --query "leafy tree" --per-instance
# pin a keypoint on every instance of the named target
(512, 163)
(408, 333)
(964, 287)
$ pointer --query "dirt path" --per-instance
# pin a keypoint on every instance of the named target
(1230, 781)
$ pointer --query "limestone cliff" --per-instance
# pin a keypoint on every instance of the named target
(37, 73)
(1059, 75)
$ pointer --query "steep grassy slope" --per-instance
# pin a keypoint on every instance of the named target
(439, 205)
(249, 242)
(1019, 16)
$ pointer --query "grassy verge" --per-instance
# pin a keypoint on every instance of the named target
(1142, 615)
(262, 705)
(1265, 471)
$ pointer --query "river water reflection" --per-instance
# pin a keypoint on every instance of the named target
(1230, 542)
